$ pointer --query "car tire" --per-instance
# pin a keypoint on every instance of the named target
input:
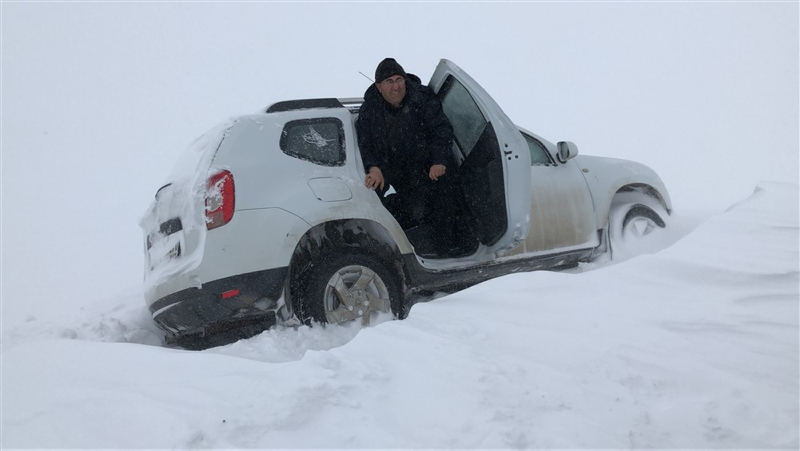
(342, 287)
(632, 221)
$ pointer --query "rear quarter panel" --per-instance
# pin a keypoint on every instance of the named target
(268, 178)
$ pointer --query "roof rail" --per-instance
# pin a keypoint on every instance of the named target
(352, 103)
(304, 104)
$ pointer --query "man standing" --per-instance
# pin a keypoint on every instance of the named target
(406, 142)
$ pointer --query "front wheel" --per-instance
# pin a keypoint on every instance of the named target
(634, 225)
(339, 288)
(641, 221)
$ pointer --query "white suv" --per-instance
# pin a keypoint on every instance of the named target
(266, 218)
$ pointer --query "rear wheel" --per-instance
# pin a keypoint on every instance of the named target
(339, 288)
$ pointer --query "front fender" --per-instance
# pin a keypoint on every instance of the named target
(607, 176)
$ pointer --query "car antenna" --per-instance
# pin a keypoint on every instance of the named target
(362, 73)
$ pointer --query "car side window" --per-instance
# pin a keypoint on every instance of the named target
(467, 119)
(318, 140)
(539, 155)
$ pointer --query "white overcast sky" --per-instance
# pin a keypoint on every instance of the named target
(98, 99)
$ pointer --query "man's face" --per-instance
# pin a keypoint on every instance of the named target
(393, 89)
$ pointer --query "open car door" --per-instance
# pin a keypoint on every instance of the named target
(495, 166)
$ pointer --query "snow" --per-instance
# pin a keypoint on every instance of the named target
(690, 342)
(693, 346)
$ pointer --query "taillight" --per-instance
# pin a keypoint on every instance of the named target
(220, 199)
(230, 293)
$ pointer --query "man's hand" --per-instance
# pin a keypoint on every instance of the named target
(374, 179)
(437, 170)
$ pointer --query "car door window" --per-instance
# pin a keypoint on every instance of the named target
(319, 140)
(539, 155)
(481, 172)
(467, 119)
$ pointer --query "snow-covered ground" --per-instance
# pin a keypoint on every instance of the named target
(693, 346)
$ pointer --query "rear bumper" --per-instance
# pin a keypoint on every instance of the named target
(204, 310)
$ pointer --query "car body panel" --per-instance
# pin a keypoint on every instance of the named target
(606, 176)
(562, 215)
(561, 209)
(246, 244)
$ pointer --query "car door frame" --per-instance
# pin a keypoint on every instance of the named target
(514, 155)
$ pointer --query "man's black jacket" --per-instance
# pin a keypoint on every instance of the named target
(426, 131)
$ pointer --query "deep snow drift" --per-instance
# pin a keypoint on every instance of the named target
(694, 346)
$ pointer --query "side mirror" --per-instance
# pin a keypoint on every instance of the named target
(566, 151)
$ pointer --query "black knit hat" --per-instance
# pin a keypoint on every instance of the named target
(387, 68)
